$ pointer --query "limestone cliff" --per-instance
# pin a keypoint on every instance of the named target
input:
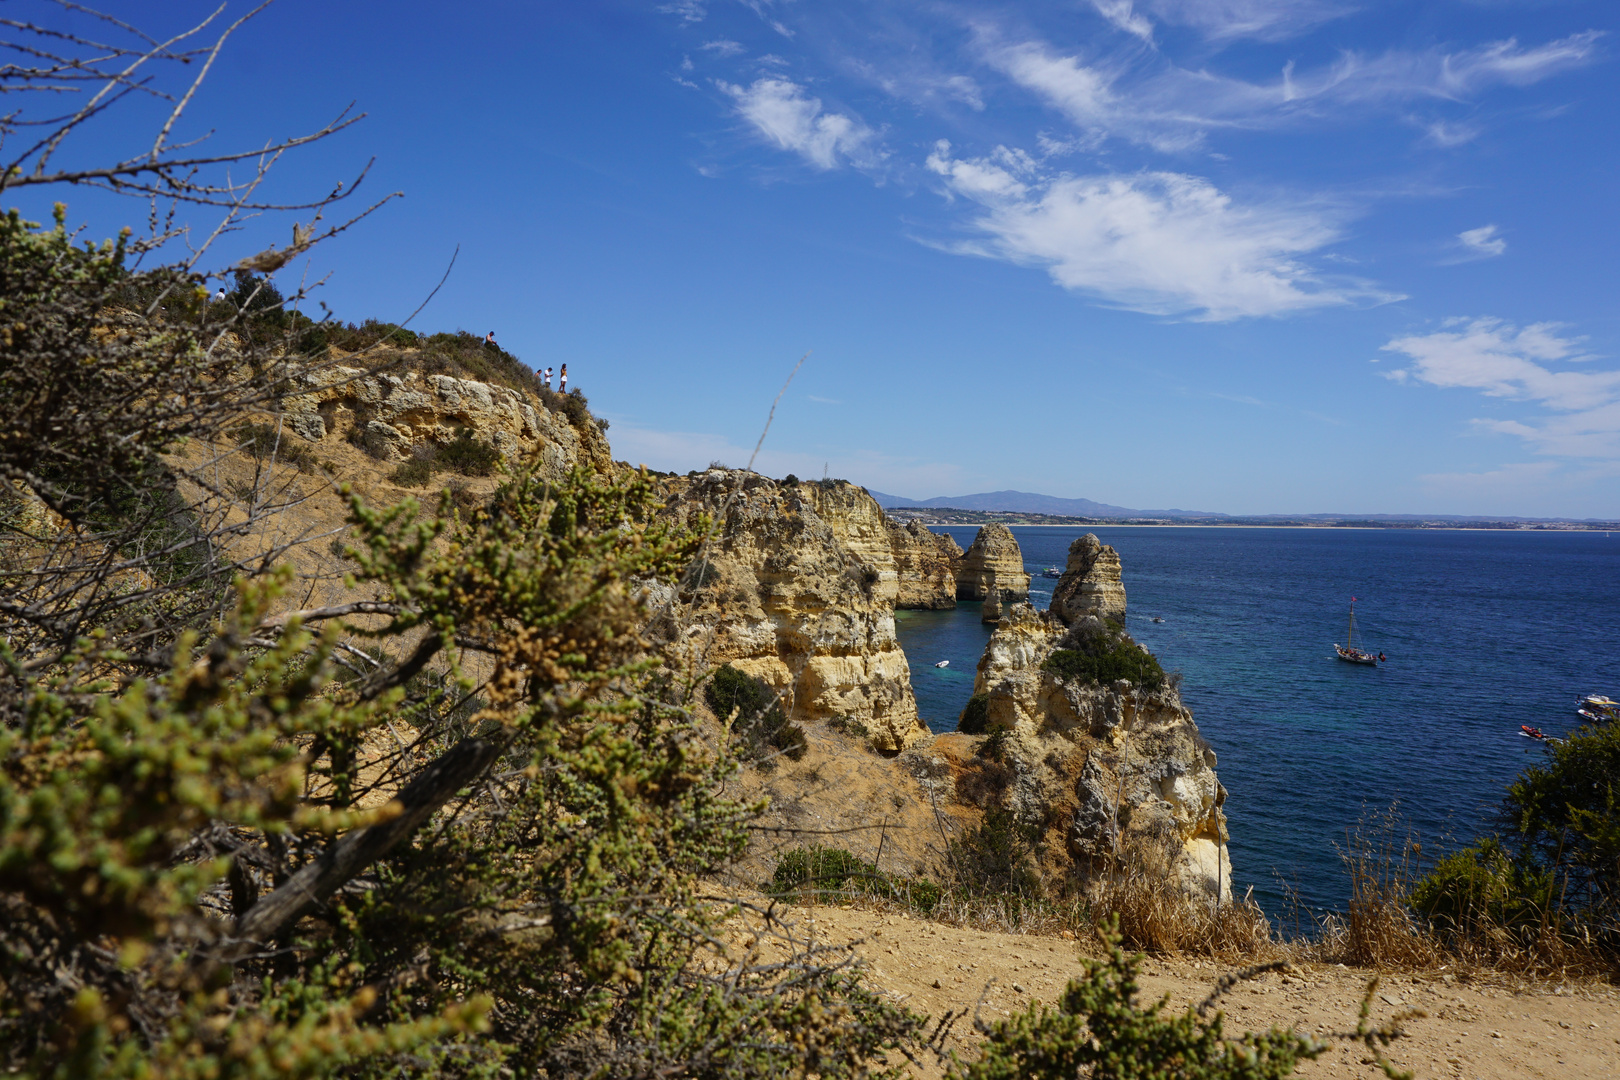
(1099, 769)
(1091, 583)
(391, 414)
(993, 571)
(800, 593)
(925, 563)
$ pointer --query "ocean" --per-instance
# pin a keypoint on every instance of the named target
(1484, 630)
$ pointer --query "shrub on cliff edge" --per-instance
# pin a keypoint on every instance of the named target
(758, 723)
(816, 873)
(975, 715)
(1106, 660)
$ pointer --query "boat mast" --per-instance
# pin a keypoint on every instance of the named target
(1350, 634)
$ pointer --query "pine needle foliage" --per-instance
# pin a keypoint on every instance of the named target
(1099, 1031)
(244, 868)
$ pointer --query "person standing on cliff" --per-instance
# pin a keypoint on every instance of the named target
(562, 380)
(489, 339)
(547, 374)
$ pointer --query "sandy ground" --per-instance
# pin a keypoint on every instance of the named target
(1483, 1028)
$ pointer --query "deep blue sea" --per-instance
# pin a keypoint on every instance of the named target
(1484, 631)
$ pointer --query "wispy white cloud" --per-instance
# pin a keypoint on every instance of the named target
(723, 47)
(1123, 16)
(789, 117)
(1266, 20)
(1446, 134)
(1158, 242)
(919, 83)
(687, 10)
(762, 8)
(824, 400)
(1154, 102)
(1482, 243)
(1504, 361)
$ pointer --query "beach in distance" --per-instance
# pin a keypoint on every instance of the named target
(1485, 630)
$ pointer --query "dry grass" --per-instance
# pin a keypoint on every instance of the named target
(1385, 861)
(1155, 915)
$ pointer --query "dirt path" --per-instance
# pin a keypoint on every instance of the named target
(1473, 1029)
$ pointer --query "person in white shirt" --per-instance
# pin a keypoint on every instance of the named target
(548, 378)
(219, 295)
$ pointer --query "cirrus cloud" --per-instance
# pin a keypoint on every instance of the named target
(1164, 243)
(784, 113)
(1501, 360)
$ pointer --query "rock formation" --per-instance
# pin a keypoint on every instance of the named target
(993, 571)
(800, 593)
(394, 413)
(1090, 584)
(1101, 771)
(925, 563)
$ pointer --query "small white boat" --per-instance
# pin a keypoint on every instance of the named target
(1051, 571)
(943, 663)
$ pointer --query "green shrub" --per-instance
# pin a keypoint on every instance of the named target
(1099, 1031)
(574, 406)
(814, 873)
(1484, 886)
(469, 455)
(790, 479)
(791, 740)
(1565, 816)
(975, 716)
(417, 472)
(1106, 661)
(760, 726)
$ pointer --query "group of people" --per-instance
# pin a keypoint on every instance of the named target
(543, 373)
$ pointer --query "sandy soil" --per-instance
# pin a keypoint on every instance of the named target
(1475, 1027)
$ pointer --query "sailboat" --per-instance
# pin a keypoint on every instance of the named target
(1348, 651)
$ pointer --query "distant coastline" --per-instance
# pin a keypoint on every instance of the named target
(954, 516)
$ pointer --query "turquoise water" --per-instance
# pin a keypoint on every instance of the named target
(1484, 631)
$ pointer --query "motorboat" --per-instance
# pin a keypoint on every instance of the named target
(943, 663)
(1051, 571)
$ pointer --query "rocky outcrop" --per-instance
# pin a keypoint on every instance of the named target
(799, 590)
(993, 571)
(1106, 772)
(1091, 583)
(392, 414)
(925, 564)
(858, 523)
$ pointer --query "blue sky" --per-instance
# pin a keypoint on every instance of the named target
(1240, 255)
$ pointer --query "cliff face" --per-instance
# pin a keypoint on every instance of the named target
(393, 414)
(1091, 583)
(800, 593)
(1100, 769)
(925, 563)
(993, 571)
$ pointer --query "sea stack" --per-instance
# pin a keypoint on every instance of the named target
(1090, 584)
(993, 571)
(925, 564)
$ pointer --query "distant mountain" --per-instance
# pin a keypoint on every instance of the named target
(1025, 502)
